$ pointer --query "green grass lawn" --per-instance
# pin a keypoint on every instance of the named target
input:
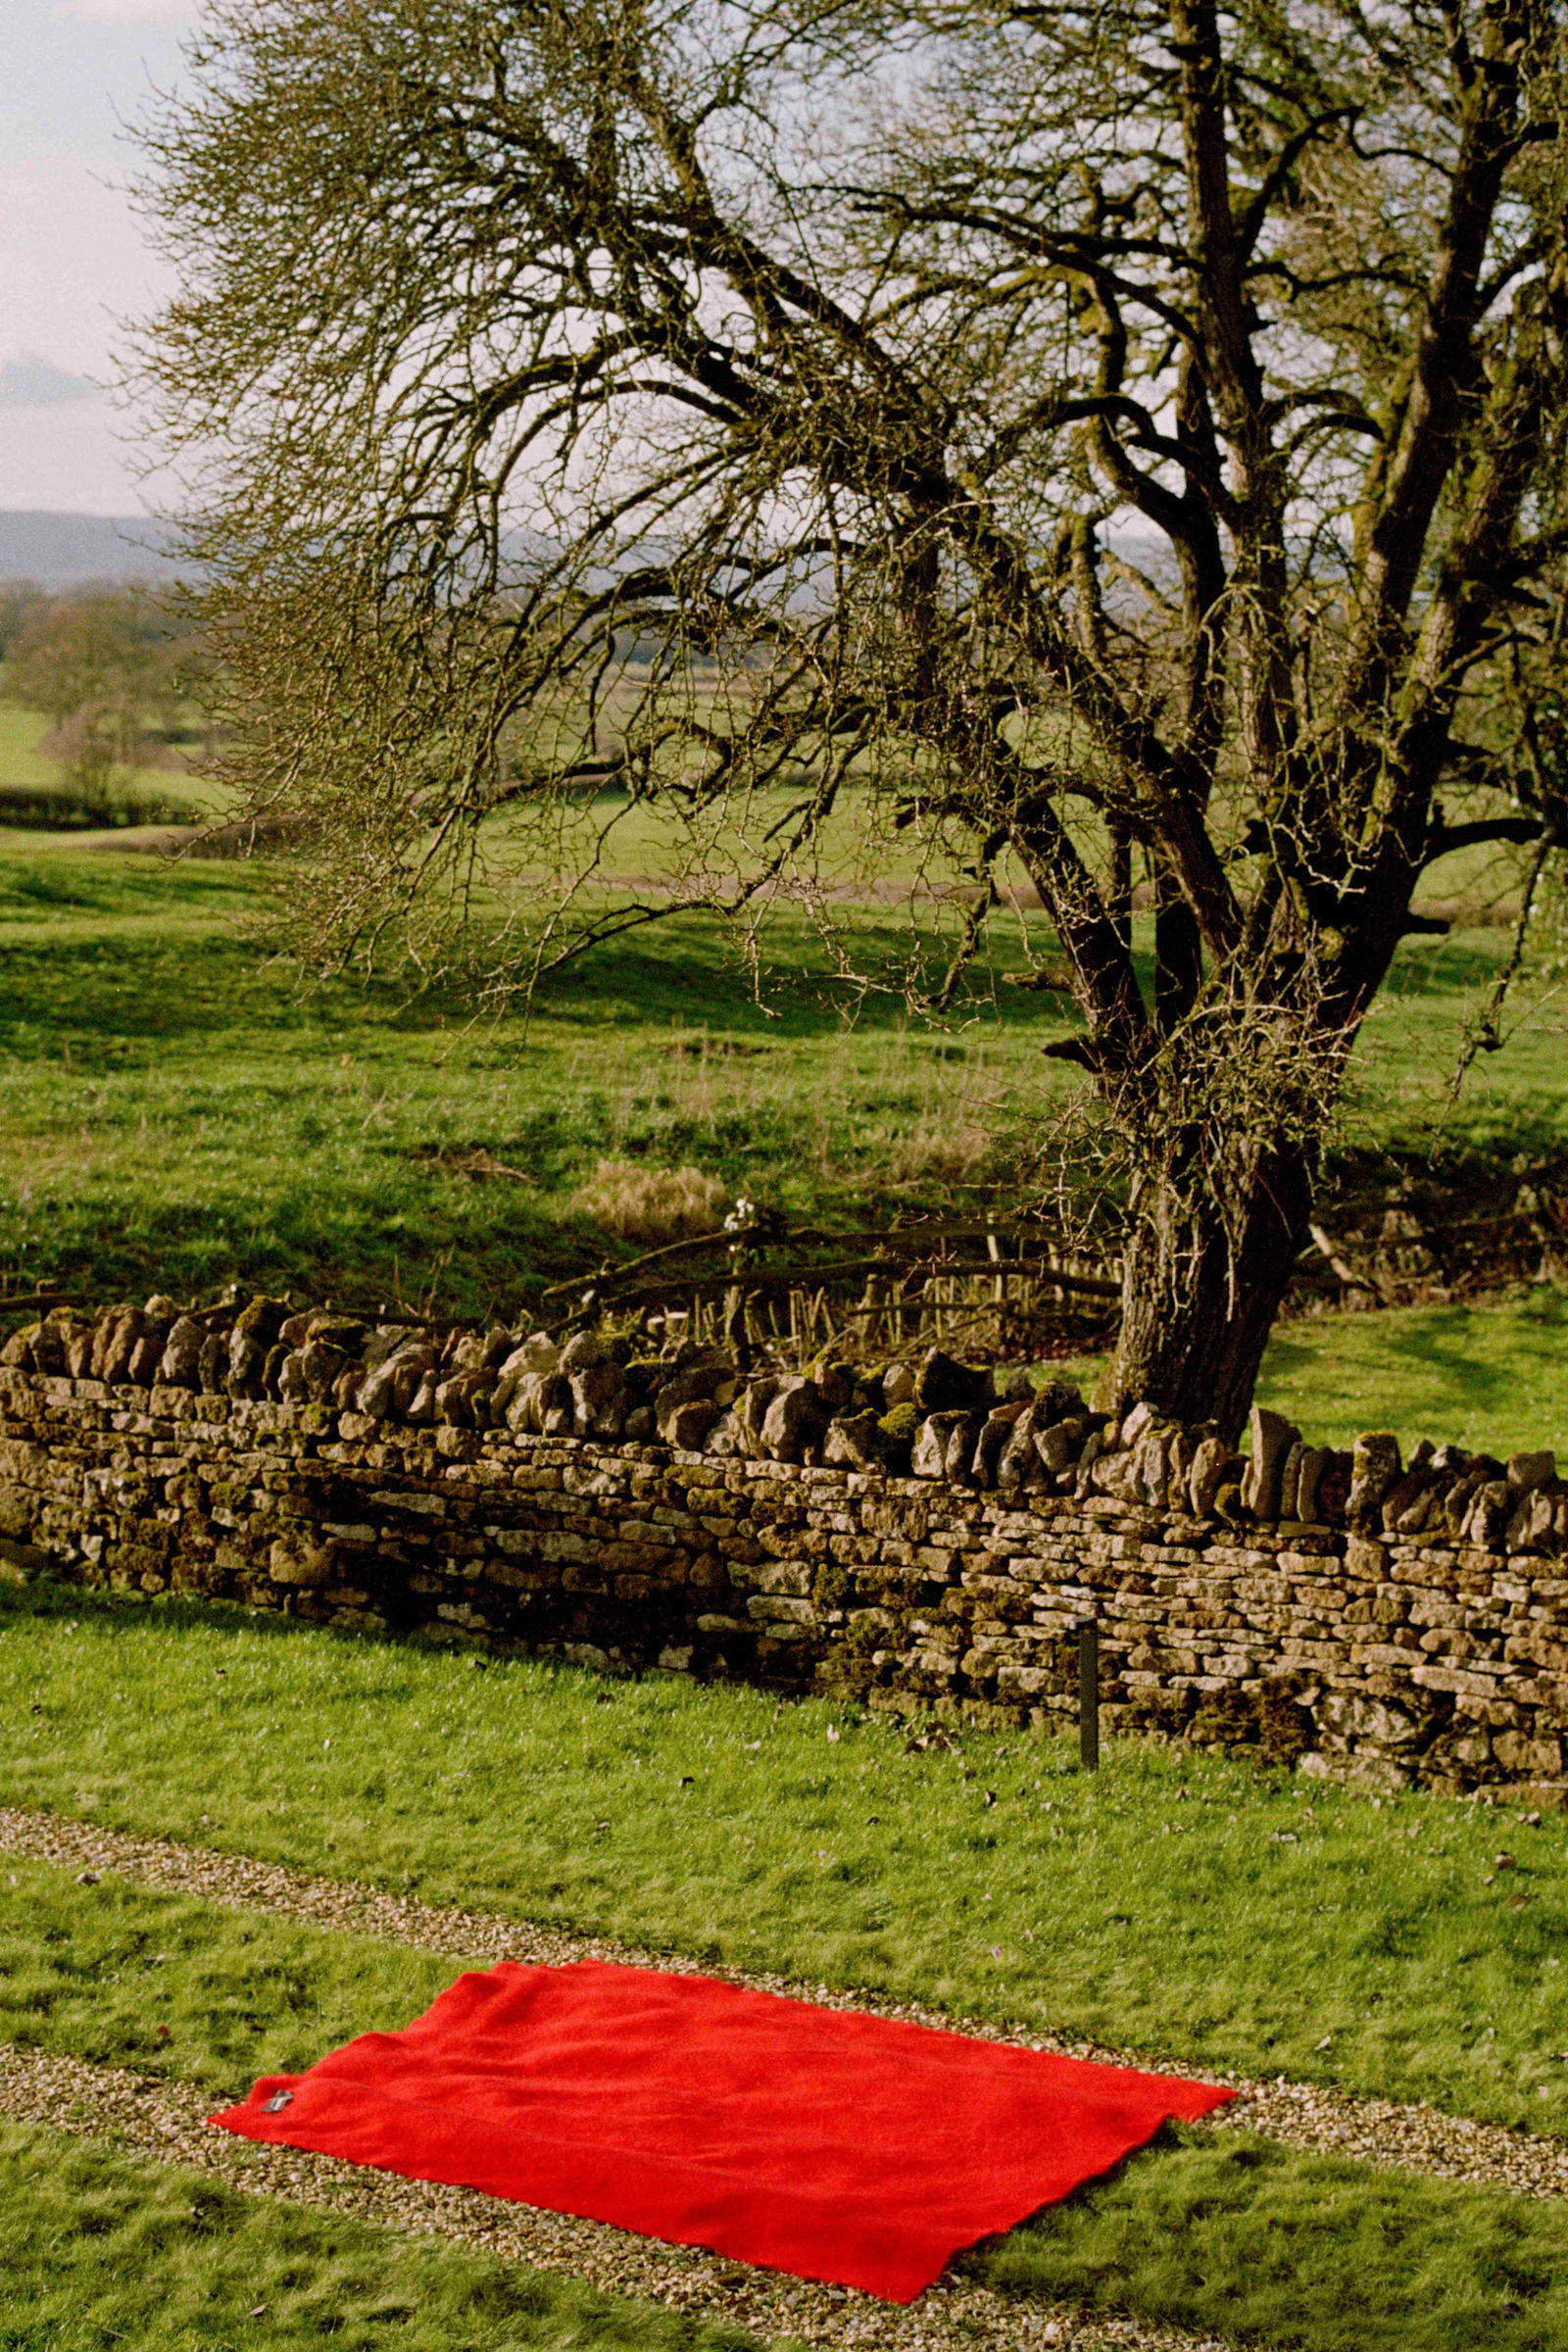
(1492, 1376)
(1262, 2244)
(179, 1112)
(100, 2250)
(1177, 1904)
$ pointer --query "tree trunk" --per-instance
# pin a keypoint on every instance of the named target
(1198, 1304)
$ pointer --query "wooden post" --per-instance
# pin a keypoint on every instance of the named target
(1089, 1695)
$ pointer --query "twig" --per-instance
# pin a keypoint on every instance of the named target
(880, 1237)
(1484, 1035)
(712, 1285)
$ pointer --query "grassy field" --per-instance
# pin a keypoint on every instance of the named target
(1176, 1905)
(1491, 1376)
(21, 760)
(25, 766)
(99, 2249)
(1179, 1901)
(179, 1111)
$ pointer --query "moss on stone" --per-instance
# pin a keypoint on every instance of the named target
(896, 1435)
(832, 1586)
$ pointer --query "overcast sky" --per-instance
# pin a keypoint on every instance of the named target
(72, 258)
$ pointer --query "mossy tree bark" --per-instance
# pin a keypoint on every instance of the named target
(1200, 1294)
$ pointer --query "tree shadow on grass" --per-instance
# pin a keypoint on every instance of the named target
(425, 1245)
(48, 1598)
(98, 994)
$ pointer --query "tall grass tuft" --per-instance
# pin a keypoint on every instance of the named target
(638, 1204)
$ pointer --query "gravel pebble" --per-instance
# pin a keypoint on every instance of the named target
(167, 2121)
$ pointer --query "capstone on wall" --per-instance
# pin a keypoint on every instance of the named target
(1382, 1657)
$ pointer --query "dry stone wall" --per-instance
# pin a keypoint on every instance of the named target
(914, 1543)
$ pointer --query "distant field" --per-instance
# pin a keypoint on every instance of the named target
(178, 1110)
(20, 761)
(181, 1111)
(24, 767)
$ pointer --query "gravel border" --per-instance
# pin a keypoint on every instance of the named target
(1301, 2115)
(167, 2121)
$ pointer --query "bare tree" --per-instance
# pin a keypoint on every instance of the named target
(1124, 440)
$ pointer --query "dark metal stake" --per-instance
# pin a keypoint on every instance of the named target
(1089, 1695)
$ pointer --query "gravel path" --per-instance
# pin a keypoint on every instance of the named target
(1301, 2115)
(167, 2121)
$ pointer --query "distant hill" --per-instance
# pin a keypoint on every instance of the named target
(62, 551)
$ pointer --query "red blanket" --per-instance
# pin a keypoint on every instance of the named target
(821, 2141)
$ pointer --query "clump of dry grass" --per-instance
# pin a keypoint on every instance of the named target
(955, 1151)
(640, 1203)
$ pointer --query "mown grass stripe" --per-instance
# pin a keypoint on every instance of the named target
(122, 2224)
(197, 1998)
(716, 2299)
(1378, 2132)
(1172, 1902)
(1303, 2253)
